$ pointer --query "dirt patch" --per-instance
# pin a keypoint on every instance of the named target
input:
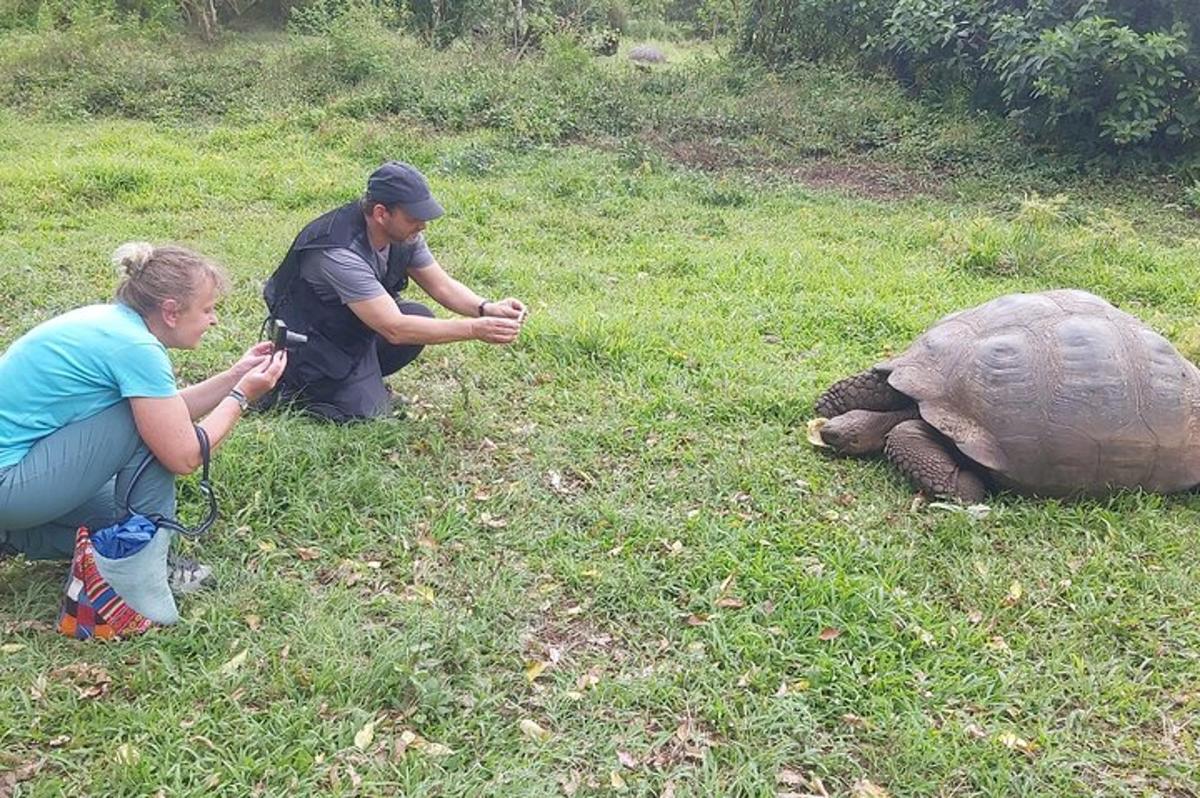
(864, 179)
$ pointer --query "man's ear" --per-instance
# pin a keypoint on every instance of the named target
(170, 312)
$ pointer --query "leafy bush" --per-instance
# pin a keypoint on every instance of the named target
(1104, 72)
(1076, 71)
(786, 31)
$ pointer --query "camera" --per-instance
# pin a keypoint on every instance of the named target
(282, 338)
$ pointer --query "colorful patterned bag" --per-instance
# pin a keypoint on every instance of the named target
(91, 608)
(127, 592)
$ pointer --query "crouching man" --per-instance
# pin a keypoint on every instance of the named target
(339, 285)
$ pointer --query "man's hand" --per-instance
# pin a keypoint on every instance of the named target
(255, 356)
(493, 330)
(508, 308)
(257, 382)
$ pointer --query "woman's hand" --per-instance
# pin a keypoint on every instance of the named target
(258, 381)
(255, 356)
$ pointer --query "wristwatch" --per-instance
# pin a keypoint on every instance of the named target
(240, 398)
(481, 304)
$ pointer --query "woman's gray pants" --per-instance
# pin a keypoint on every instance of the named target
(79, 476)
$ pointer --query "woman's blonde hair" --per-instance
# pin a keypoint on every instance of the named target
(151, 275)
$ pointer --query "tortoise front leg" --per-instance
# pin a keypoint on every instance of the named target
(866, 391)
(922, 455)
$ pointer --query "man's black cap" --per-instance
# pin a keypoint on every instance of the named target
(399, 183)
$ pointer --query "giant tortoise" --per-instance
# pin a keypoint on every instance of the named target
(1049, 394)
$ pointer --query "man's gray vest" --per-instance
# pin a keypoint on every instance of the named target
(337, 339)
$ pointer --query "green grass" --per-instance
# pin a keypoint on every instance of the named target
(625, 494)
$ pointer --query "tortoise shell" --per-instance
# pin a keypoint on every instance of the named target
(1058, 393)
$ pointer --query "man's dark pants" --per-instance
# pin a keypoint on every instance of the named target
(362, 394)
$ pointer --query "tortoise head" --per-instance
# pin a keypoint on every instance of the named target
(863, 431)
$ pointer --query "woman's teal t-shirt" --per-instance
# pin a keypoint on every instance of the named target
(71, 368)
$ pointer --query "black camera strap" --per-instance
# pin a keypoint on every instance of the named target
(206, 490)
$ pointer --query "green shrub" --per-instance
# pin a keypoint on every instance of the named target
(1112, 73)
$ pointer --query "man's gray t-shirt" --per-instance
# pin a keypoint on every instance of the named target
(341, 274)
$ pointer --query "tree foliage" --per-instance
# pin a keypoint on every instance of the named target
(1110, 72)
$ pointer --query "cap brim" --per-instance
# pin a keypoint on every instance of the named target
(425, 211)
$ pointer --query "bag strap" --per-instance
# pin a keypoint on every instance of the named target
(206, 490)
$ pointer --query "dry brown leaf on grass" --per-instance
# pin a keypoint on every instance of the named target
(418, 593)
(865, 788)
(829, 633)
(628, 760)
(89, 681)
(12, 648)
(534, 669)
(614, 778)
(1012, 741)
(570, 784)
(308, 553)
(531, 729)
(813, 432)
(9, 779)
(128, 755)
(730, 603)
(1015, 591)
(234, 663)
(365, 736)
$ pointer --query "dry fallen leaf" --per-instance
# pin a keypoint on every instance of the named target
(254, 622)
(126, 754)
(308, 553)
(1015, 592)
(615, 779)
(422, 592)
(12, 648)
(814, 432)
(627, 759)
(9, 779)
(534, 669)
(495, 523)
(570, 784)
(432, 749)
(534, 731)
(829, 633)
(234, 663)
(365, 736)
(730, 603)
(589, 679)
(864, 788)
(1010, 740)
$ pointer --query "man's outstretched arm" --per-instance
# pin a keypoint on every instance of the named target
(383, 316)
(453, 295)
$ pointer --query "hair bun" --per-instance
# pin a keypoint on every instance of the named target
(131, 257)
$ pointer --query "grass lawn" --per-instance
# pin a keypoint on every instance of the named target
(605, 561)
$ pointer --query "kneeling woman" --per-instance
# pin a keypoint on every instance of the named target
(89, 396)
